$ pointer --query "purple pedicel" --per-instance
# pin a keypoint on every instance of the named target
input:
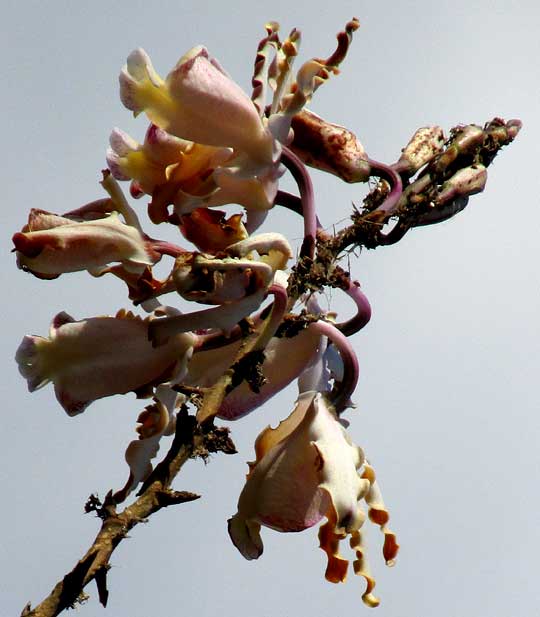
(305, 186)
(340, 398)
(363, 311)
(386, 172)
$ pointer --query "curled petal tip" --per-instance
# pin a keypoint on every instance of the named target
(514, 126)
(137, 79)
(245, 536)
(26, 245)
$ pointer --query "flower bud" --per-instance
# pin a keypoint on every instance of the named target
(427, 142)
(465, 182)
(329, 147)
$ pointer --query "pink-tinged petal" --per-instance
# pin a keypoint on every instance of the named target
(139, 454)
(115, 165)
(92, 211)
(163, 147)
(148, 164)
(245, 535)
(82, 246)
(215, 110)
(206, 367)
(121, 143)
(255, 192)
(197, 102)
(306, 469)
(139, 82)
(281, 490)
(27, 358)
(121, 146)
(98, 357)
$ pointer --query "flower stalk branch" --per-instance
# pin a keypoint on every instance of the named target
(190, 441)
(209, 145)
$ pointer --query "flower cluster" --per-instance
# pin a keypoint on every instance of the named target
(208, 144)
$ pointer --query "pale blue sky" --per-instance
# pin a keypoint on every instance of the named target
(447, 401)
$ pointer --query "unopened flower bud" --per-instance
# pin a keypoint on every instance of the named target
(465, 182)
(329, 147)
(503, 132)
(468, 138)
(513, 127)
(427, 142)
(464, 141)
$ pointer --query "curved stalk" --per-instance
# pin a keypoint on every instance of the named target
(305, 186)
(341, 395)
(292, 203)
(386, 172)
(363, 311)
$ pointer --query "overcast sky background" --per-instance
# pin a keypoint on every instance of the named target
(448, 398)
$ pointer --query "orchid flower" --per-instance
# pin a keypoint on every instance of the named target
(224, 153)
(197, 101)
(51, 245)
(210, 145)
(100, 356)
(238, 284)
(188, 175)
(307, 469)
(160, 159)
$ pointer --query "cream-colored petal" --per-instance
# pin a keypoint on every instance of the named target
(207, 366)
(98, 357)
(81, 246)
